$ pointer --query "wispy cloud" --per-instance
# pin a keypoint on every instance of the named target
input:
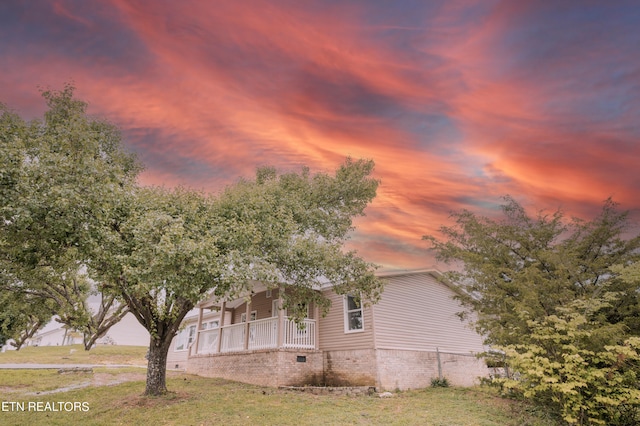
(458, 102)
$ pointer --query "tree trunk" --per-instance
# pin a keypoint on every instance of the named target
(157, 367)
(27, 334)
(88, 341)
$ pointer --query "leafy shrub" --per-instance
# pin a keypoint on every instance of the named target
(439, 382)
(560, 368)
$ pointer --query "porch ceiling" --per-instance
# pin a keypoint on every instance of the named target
(210, 302)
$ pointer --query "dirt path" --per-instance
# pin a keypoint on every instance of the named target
(98, 379)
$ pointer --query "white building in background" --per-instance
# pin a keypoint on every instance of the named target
(128, 332)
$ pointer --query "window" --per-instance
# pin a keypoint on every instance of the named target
(185, 338)
(268, 293)
(353, 316)
(209, 325)
(304, 307)
(243, 316)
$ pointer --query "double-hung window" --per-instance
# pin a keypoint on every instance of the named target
(209, 325)
(243, 316)
(353, 314)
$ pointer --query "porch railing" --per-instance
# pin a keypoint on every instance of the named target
(263, 334)
(301, 335)
(208, 341)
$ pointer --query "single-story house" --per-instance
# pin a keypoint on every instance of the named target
(128, 331)
(411, 336)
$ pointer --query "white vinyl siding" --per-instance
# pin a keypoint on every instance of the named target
(417, 312)
(332, 335)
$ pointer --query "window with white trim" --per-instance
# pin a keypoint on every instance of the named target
(209, 325)
(353, 314)
(185, 338)
(243, 316)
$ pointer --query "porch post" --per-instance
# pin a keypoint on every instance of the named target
(223, 311)
(247, 325)
(280, 318)
(198, 326)
(316, 318)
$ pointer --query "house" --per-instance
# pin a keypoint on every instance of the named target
(128, 331)
(409, 337)
(54, 334)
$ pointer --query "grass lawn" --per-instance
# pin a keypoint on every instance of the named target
(110, 396)
(75, 354)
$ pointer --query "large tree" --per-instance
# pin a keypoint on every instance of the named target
(535, 265)
(177, 247)
(162, 258)
(545, 293)
(62, 179)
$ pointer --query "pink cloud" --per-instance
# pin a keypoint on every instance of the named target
(449, 101)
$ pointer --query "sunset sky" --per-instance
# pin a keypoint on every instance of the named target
(457, 102)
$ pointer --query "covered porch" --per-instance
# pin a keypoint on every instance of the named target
(253, 323)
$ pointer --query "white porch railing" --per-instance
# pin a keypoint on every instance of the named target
(299, 336)
(263, 334)
(208, 341)
(233, 338)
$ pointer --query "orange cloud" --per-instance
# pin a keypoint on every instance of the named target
(458, 103)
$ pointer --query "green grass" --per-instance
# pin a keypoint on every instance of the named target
(75, 354)
(20, 382)
(201, 401)
(194, 400)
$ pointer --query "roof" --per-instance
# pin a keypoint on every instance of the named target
(259, 287)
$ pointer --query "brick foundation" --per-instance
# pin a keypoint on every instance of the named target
(326, 390)
(385, 369)
(284, 367)
(350, 368)
(403, 369)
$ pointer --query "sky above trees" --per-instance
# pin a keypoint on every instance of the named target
(457, 102)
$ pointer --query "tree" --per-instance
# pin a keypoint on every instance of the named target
(22, 315)
(162, 259)
(61, 180)
(176, 247)
(108, 313)
(294, 226)
(545, 294)
(69, 203)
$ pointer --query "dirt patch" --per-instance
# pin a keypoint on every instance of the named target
(97, 379)
(7, 389)
(106, 379)
(156, 401)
